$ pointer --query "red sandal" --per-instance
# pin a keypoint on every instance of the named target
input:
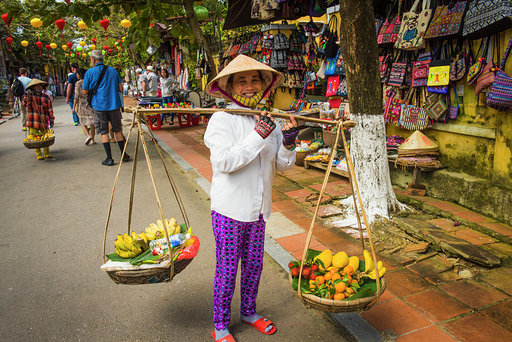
(262, 324)
(228, 338)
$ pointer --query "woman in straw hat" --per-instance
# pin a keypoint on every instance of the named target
(245, 152)
(39, 113)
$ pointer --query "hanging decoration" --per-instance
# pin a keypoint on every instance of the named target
(84, 54)
(64, 47)
(53, 46)
(104, 23)
(7, 22)
(70, 45)
(126, 23)
(79, 48)
(92, 47)
(106, 47)
(60, 24)
(37, 23)
(94, 41)
(109, 51)
(39, 46)
(201, 13)
(82, 43)
(9, 41)
(24, 43)
(48, 48)
(82, 25)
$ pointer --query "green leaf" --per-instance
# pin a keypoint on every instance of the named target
(311, 254)
(304, 285)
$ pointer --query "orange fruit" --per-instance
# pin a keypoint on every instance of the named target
(340, 287)
(339, 296)
(349, 290)
(336, 276)
(354, 281)
(346, 294)
(320, 280)
(328, 276)
(348, 270)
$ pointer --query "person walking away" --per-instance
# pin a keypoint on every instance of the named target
(105, 103)
(245, 153)
(168, 85)
(142, 82)
(39, 113)
(70, 91)
(85, 113)
(152, 79)
(25, 80)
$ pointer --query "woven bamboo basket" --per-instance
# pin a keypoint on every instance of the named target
(150, 275)
(329, 137)
(301, 155)
(31, 144)
(346, 305)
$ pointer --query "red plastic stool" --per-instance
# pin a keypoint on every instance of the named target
(150, 118)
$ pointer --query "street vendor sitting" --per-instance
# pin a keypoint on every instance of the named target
(39, 113)
(246, 151)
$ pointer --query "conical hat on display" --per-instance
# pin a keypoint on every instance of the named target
(218, 86)
(417, 143)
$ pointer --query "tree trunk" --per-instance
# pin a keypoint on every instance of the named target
(198, 34)
(368, 138)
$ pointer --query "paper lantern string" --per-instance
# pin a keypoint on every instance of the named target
(60, 24)
(9, 41)
(7, 22)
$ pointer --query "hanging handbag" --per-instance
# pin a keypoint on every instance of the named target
(388, 33)
(333, 83)
(393, 108)
(330, 66)
(384, 68)
(459, 65)
(439, 69)
(420, 70)
(331, 46)
(487, 17)
(477, 67)
(413, 117)
(453, 112)
(413, 27)
(340, 65)
(446, 21)
(397, 74)
(342, 88)
(500, 94)
(487, 75)
(436, 106)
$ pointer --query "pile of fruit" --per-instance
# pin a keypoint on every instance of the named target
(336, 276)
(32, 137)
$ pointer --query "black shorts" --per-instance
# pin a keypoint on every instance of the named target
(102, 118)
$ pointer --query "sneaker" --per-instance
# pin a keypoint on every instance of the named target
(88, 140)
(126, 158)
(23, 128)
(76, 123)
(108, 162)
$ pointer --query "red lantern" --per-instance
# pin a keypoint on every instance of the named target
(109, 51)
(60, 24)
(9, 40)
(39, 46)
(6, 19)
(104, 23)
(94, 41)
(106, 47)
(67, 1)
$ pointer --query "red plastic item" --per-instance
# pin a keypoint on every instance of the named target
(158, 122)
(335, 103)
(191, 251)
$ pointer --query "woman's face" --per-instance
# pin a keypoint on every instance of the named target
(164, 73)
(246, 83)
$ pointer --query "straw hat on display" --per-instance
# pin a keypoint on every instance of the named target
(34, 82)
(418, 143)
(271, 78)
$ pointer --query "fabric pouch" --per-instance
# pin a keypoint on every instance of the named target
(500, 94)
(397, 74)
(454, 110)
(342, 88)
(333, 83)
(436, 106)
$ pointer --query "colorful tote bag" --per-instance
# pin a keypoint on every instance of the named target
(330, 67)
(446, 21)
(384, 62)
(436, 106)
(487, 75)
(397, 74)
(388, 33)
(500, 94)
(413, 118)
(413, 27)
(476, 68)
(333, 83)
(420, 70)
(487, 17)
(459, 65)
(393, 110)
(342, 88)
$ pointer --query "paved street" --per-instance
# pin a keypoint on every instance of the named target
(52, 289)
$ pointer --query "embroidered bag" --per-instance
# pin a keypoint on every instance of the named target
(384, 67)
(397, 74)
(436, 106)
(438, 89)
(281, 42)
(393, 110)
(487, 75)
(295, 42)
(459, 65)
(333, 83)
(446, 21)
(500, 94)
(388, 33)
(330, 67)
(420, 70)
(413, 27)
(453, 112)
(487, 17)
(342, 88)
(439, 70)
(235, 49)
(340, 65)
(477, 67)
(331, 46)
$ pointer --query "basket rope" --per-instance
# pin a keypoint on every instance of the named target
(354, 185)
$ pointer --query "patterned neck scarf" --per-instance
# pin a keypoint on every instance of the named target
(248, 102)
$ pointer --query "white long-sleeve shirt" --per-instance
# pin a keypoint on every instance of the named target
(243, 165)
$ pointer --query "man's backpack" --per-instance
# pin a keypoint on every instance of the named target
(17, 88)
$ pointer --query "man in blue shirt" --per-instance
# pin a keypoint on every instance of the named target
(106, 103)
(25, 81)
(70, 91)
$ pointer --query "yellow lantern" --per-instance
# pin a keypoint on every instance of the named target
(36, 22)
(53, 46)
(82, 43)
(92, 47)
(82, 25)
(84, 54)
(24, 43)
(126, 23)
(64, 47)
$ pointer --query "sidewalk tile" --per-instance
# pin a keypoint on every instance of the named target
(444, 277)
(500, 314)
(403, 282)
(445, 224)
(326, 236)
(396, 315)
(326, 210)
(476, 327)
(473, 293)
(333, 190)
(386, 296)
(299, 195)
(436, 305)
(498, 228)
(472, 216)
(428, 334)
(296, 242)
(430, 266)
(499, 278)
(473, 237)
(447, 206)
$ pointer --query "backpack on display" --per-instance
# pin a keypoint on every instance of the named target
(278, 59)
(17, 88)
(281, 42)
(295, 42)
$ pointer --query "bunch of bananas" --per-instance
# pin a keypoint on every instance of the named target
(130, 246)
(369, 266)
(157, 231)
(49, 133)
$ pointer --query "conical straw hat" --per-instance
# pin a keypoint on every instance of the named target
(218, 86)
(34, 82)
(418, 143)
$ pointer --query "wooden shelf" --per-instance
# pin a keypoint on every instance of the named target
(322, 166)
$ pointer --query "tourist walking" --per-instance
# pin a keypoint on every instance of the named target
(25, 80)
(105, 83)
(152, 82)
(142, 82)
(85, 113)
(70, 91)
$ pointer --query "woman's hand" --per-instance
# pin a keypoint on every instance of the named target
(264, 124)
(290, 132)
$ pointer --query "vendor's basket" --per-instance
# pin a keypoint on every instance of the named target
(301, 155)
(329, 137)
(32, 144)
(148, 276)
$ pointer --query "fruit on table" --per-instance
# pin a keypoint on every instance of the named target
(340, 260)
(326, 259)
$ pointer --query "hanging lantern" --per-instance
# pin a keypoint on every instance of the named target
(126, 23)
(70, 45)
(60, 24)
(36, 22)
(201, 13)
(48, 47)
(24, 43)
(39, 46)
(104, 23)
(94, 41)
(53, 46)
(64, 47)
(84, 54)
(7, 22)
(109, 51)
(82, 43)
(82, 25)
(106, 47)
(79, 48)
(67, 1)
(92, 47)
(9, 40)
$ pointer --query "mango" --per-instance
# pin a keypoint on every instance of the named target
(340, 260)
(326, 258)
(354, 262)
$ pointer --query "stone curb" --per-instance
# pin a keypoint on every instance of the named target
(9, 118)
(353, 326)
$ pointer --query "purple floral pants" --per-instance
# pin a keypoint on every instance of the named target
(236, 240)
